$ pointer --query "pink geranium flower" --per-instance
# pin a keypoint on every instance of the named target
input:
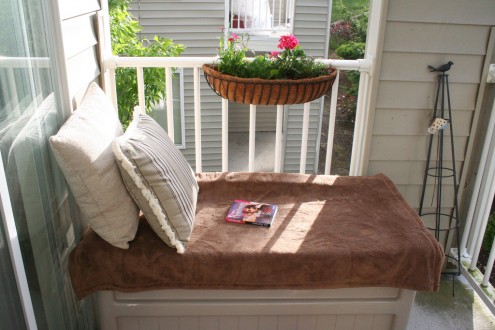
(288, 42)
(274, 54)
(233, 37)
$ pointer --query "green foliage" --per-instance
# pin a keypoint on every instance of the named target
(343, 9)
(352, 28)
(489, 233)
(290, 63)
(347, 40)
(124, 29)
(351, 50)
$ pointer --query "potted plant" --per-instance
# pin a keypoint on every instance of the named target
(285, 77)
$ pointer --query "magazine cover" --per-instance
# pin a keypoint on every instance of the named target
(254, 213)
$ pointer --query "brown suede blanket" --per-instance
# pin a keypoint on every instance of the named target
(330, 232)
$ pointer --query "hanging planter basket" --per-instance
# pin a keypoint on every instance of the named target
(267, 92)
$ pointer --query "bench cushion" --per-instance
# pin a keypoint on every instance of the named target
(329, 232)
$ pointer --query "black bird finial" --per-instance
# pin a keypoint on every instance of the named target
(441, 68)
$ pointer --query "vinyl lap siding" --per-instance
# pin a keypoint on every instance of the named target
(196, 24)
(418, 34)
(80, 46)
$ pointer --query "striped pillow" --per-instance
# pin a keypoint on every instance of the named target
(159, 178)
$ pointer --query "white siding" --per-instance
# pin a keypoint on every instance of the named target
(196, 24)
(417, 34)
(311, 23)
(78, 27)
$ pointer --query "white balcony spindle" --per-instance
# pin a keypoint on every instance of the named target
(228, 15)
(488, 190)
(331, 123)
(477, 183)
(197, 120)
(140, 86)
(278, 139)
(13, 89)
(170, 103)
(273, 12)
(111, 63)
(111, 91)
(225, 135)
(37, 81)
(304, 138)
(357, 145)
(252, 136)
(489, 267)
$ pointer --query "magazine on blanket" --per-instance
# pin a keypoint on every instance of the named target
(253, 213)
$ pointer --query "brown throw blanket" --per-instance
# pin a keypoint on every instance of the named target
(330, 232)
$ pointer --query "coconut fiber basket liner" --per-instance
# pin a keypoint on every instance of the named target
(267, 92)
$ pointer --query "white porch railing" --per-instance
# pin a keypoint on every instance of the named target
(195, 63)
(477, 219)
(31, 78)
(259, 16)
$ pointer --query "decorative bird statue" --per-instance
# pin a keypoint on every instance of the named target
(441, 68)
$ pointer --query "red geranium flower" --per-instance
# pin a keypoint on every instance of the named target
(288, 42)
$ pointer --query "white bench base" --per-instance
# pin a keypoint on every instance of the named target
(355, 308)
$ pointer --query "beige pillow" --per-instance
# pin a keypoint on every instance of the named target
(159, 178)
(83, 149)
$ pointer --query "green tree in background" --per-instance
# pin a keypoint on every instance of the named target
(348, 40)
(124, 29)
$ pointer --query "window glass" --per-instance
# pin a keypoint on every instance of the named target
(29, 115)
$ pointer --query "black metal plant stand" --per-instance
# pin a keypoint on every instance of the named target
(437, 172)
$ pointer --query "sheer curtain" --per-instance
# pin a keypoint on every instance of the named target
(44, 215)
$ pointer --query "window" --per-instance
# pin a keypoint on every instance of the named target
(263, 17)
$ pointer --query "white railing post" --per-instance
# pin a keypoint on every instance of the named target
(170, 102)
(304, 138)
(488, 191)
(278, 139)
(225, 135)
(197, 120)
(13, 90)
(140, 87)
(489, 267)
(477, 183)
(331, 123)
(359, 127)
(252, 136)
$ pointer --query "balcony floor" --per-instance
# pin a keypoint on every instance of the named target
(441, 310)
(264, 158)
